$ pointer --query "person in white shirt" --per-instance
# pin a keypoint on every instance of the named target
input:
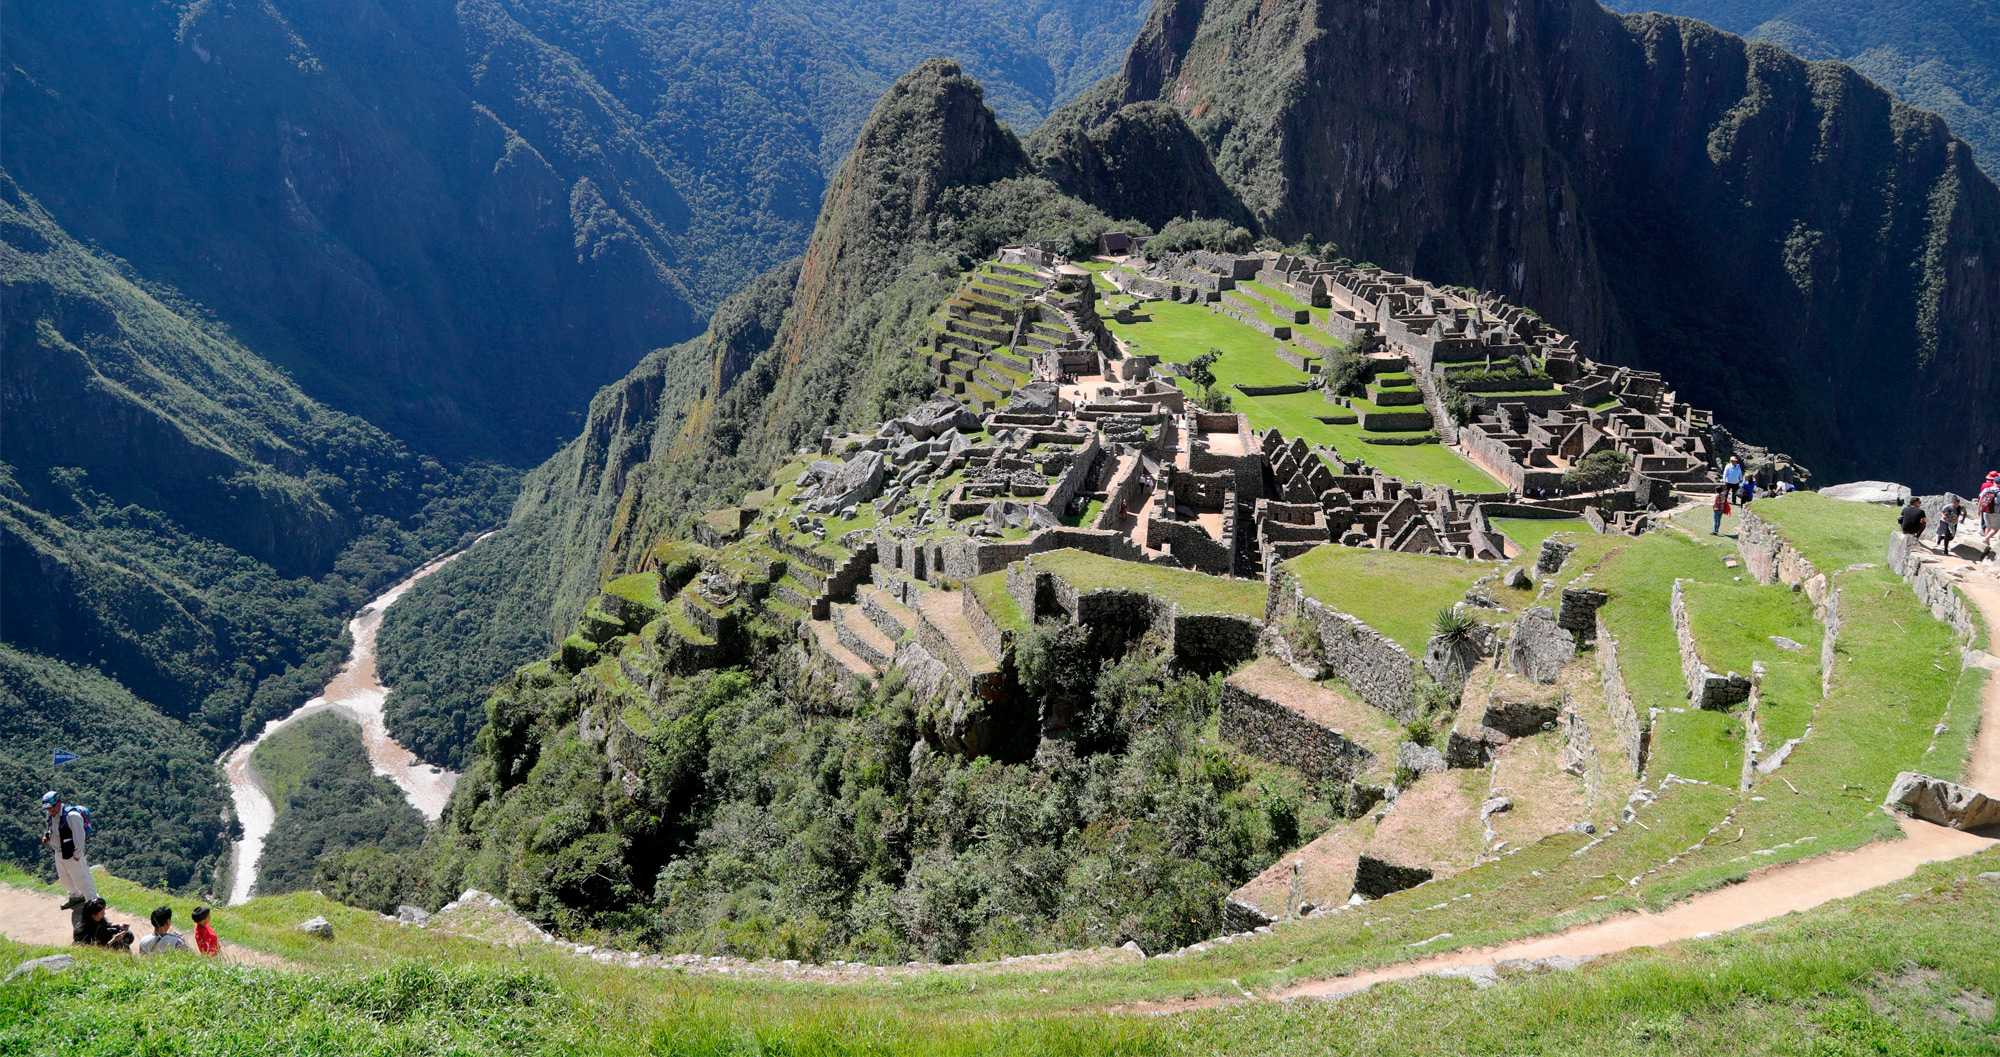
(164, 938)
(65, 836)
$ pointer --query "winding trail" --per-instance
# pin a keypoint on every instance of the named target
(1772, 893)
(356, 692)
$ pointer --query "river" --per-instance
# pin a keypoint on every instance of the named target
(357, 693)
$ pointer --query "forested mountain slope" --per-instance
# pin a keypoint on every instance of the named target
(1942, 55)
(183, 531)
(460, 220)
(1784, 240)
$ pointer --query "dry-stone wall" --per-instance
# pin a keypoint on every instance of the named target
(1771, 560)
(1706, 688)
(1270, 731)
(1632, 736)
(1375, 666)
(1927, 578)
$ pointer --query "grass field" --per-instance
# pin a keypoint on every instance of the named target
(1193, 592)
(1530, 532)
(1894, 971)
(1398, 595)
(1831, 533)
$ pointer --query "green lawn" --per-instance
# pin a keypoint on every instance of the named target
(1895, 970)
(1398, 595)
(1832, 533)
(1177, 333)
(1639, 577)
(1530, 532)
(1193, 592)
(1733, 628)
(991, 591)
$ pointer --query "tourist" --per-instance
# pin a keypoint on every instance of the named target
(1989, 506)
(1912, 520)
(65, 834)
(1948, 518)
(91, 930)
(1749, 490)
(164, 938)
(1732, 474)
(205, 939)
(1720, 507)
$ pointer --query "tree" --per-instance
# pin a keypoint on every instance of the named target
(1600, 469)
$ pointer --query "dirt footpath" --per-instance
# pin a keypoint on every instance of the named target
(28, 916)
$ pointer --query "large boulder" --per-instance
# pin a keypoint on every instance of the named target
(1888, 493)
(931, 418)
(856, 481)
(1539, 646)
(1944, 803)
(1450, 661)
(317, 926)
(1036, 398)
(54, 963)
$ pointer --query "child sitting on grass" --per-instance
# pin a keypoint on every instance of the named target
(205, 939)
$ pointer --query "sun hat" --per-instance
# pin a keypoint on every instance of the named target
(1993, 475)
(50, 799)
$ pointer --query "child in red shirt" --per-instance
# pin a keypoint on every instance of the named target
(205, 939)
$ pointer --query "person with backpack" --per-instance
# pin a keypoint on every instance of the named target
(1989, 500)
(1720, 506)
(68, 827)
(164, 938)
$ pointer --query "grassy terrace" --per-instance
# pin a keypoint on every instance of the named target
(1640, 576)
(1835, 980)
(1530, 532)
(1832, 533)
(991, 592)
(1734, 625)
(1177, 333)
(1396, 594)
(1193, 592)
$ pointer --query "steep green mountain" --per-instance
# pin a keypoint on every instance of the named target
(459, 220)
(1941, 55)
(933, 184)
(183, 534)
(1787, 242)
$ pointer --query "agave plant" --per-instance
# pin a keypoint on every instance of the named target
(1453, 625)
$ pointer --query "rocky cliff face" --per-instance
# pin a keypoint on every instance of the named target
(1786, 241)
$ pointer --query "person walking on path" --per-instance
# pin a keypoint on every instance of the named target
(164, 938)
(1720, 506)
(65, 834)
(1948, 518)
(1989, 506)
(1732, 475)
(1912, 520)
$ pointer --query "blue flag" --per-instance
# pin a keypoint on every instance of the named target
(64, 757)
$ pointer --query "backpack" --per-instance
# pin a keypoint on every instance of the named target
(89, 830)
(1986, 497)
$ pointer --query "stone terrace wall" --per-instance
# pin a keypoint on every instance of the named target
(1270, 731)
(1200, 642)
(1191, 545)
(1771, 560)
(1706, 688)
(989, 633)
(1618, 701)
(1925, 575)
(1210, 642)
(1377, 667)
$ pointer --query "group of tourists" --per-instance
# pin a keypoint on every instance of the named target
(1952, 515)
(1738, 488)
(67, 835)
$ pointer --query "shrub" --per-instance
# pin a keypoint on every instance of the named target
(1602, 469)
